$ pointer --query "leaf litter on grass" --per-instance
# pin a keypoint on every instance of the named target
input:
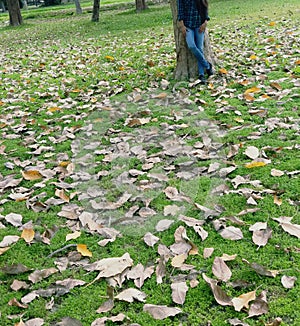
(128, 153)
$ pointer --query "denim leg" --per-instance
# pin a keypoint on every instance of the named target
(195, 40)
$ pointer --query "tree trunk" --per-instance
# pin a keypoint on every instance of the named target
(186, 63)
(140, 5)
(96, 11)
(2, 7)
(15, 18)
(78, 7)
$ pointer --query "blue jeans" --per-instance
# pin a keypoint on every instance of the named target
(195, 41)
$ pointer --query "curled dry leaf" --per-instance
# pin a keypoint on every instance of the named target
(259, 306)
(101, 321)
(72, 236)
(163, 225)
(221, 270)
(106, 306)
(14, 219)
(178, 260)
(3, 250)
(236, 322)
(243, 300)
(179, 290)
(130, 294)
(31, 175)
(39, 275)
(276, 173)
(15, 303)
(261, 270)
(276, 322)
(220, 296)
(288, 281)
(285, 223)
(161, 312)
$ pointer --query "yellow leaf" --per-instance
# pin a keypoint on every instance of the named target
(62, 195)
(121, 68)
(64, 164)
(110, 58)
(27, 235)
(54, 109)
(31, 175)
(244, 82)
(1, 103)
(252, 90)
(266, 96)
(239, 120)
(253, 57)
(82, 248)
(72, 236)
(277, 200)
(223, 71)
(249, 97)
(254, 165)
(3, 250)
(272, 23)
(297, 62)
(76, 90)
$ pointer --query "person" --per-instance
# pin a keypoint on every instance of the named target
(192, 21)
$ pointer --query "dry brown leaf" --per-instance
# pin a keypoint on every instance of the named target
(130, 294)
(62, 195)
(276, 322)
(261, 270)
(226, 257)
(150, 239)
(221, 270)
(259, 306)
(207, 252)
(110, 267)
(14, 219)
(28, 235)
(179, 290)
(39, 275)
(18, 285)
(31, 175)
(243, 300)
(220, 296)
(15, 303)
(9, 240)
(276, 173)
(163, 225)
(106, 306)
(236, 322)
(261, 237)
(161, 312)
(101, 321)
(82, 248)
(231, 233)
(285, 223)
(178, 260)
(288, 282)
(277, 200)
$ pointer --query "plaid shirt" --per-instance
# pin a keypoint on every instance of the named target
(188, 12)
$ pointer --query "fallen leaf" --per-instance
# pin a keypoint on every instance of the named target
(27, 235)
(72, 236)
(231, 233)
(14, 302)
(276, 322)
(221, 270)
(288, 282)
(261, 270)
(3, 250)
(150, 239)
(220, 296)
(161, 312)
(259, 306)
(82, 248)
(106, 306)
(243, 300)
(252, 152)
(31, 175)
(14, 219)
(130, 294)
(276, 173)
(178, 260)
(179, 290)
(163, 225)
(39, 275)
(255, 165)
(207, 252)
(285, 223)
(277, 200)
(9, 240)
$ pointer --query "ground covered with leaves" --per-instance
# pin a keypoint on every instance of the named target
(130, 198)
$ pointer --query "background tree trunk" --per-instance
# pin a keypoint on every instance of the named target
(140, 5)
(186, 63)
(78, 7)
(2, 7)
(15, 17)
(96, 11)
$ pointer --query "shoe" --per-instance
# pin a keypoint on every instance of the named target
(202, 79)
(210, 70)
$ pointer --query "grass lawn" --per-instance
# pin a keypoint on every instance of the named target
(98, 138)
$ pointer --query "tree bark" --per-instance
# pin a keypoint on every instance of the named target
(78, 7)
(15, 17)
(186, 63)
(2, 6)
(140, 5)
(96, 11)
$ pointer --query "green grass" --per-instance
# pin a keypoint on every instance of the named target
(57, 72)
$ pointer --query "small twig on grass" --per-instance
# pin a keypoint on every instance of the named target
(61, 249)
